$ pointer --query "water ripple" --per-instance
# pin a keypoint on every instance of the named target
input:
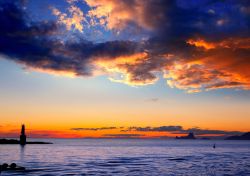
(130, 157)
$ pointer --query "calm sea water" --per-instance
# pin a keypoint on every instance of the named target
(130, 157)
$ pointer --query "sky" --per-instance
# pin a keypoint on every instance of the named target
(124, 68)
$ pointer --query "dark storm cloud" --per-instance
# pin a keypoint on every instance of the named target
(196, 44)
(202, 37)
(35, 44)
(220, 24)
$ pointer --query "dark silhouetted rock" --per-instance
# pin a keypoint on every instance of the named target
(189, 136)
(245, 136)
(4, 166)
(13, 165)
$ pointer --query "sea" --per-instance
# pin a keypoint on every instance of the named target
(118, 157)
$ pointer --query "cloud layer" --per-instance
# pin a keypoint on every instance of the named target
(167, 131)
(201, 45)
(135, 131)
(181, 130)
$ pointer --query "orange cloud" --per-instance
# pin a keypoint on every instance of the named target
(201, 43)
(214, 65)
(223, 64)
(195, 78)
(233, 43)
(116, 15)
(126, 69)
(73, 21)
(54, 72)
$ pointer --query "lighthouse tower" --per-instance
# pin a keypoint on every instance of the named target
(23, 136)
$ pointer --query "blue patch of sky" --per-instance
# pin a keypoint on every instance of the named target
(41, 10)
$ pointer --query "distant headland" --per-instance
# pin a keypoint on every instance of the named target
(245, 136)
(22, 140)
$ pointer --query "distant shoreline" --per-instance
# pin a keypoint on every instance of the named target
(14, 141)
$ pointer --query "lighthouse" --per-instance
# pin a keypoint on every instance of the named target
(23, 136)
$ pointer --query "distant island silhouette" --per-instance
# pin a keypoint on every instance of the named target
(189, 136)
(245, 136)
(22, 140)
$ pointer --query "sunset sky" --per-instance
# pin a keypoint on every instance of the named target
(124, 68)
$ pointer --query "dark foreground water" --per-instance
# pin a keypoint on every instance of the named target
(130, 157)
